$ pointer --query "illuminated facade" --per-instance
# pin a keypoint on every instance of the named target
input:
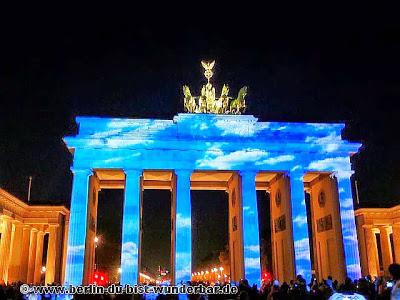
(235, 153)
(214, 147)
(379, 239)
(23, 230)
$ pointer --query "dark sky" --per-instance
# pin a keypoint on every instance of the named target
(301, 64)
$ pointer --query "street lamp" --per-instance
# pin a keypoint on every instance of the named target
(96, 241)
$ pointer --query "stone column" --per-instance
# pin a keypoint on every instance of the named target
(77, 227)
(51, 254)
(349, 231)
(183, 227)
(372, 251)
(5, 249)
(396, 242)
(26, 236)
(251, 240)
(130, 228)
(387, 258)
(32, 255)
(299, 217)
(38, 257)
(16, 252)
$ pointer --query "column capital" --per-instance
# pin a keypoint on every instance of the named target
(384, 228)
(6, 218)
(81, 171)
(53, 225)
(16, 222)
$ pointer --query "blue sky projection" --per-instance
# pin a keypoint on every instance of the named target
(210, 142)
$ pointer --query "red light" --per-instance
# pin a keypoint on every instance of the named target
(267, 276)
(100, 278)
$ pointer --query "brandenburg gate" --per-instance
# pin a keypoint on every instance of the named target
(215, 147)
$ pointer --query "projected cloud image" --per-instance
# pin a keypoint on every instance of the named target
(211, 142)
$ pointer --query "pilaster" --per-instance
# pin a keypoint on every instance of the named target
(38, 258)
(5, 244)
(26, 236)
(372, 251)
(32, 255)
(51, 254)
(396, 242)
(387, 258)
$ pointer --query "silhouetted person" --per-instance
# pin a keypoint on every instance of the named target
(394, 270)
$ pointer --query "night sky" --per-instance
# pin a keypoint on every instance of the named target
(301, 64)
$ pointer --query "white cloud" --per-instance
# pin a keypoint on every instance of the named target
(183, 222)
(183, 256)
(354, 270)
(341, 166)
(216, 159)
(302, 249)
(105, 134)
(346, 203)
(351, 238)
(321, 126)
(276, 159)
(253, 248)
(129, 247)
(120, 158)
(296, 167)
(76, 249)
(183, 274)
(129, 254)
(328, 143)
(246, 130)
(300, 220)
(347, 215)
(252, 263)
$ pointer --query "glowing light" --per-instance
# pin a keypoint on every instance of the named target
(96, 239)
(206, 142)
(43, 270)
(100, 278)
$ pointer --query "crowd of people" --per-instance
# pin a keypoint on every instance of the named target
(378, 288)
